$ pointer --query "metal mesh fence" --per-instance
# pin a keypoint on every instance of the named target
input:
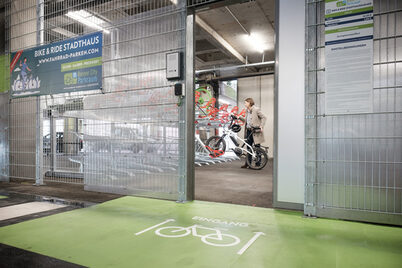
(125, 137)
(354, 161)
(4, 158)
(196, 3)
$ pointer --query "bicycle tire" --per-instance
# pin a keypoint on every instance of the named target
(261, 158)
(212, 143)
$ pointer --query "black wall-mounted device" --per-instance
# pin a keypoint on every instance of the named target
(178, 89)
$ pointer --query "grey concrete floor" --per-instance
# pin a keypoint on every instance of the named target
(228, 183)
(224, 182)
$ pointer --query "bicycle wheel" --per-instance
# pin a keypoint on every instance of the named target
(260, 159)
(226, 241)
(216, 143)
(172, 231)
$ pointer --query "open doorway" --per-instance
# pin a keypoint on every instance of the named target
(234, 60)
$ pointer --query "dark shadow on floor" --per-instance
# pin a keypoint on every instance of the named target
(15, 257)
(54, 189)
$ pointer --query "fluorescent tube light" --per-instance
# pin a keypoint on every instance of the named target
(64, 32)
(256, 42)
(87, 19)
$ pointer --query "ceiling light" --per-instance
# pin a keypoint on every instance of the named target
(87, 19)
(64, 32)
(256, 42)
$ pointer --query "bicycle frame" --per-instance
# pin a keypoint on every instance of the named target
(229, 133)
(194, 227)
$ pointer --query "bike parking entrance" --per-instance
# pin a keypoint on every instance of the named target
(221, 86)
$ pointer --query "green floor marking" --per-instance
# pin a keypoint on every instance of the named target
(140, 232)
(3, 196)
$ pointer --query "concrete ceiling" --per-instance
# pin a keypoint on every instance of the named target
(256, 17)
(220, 42)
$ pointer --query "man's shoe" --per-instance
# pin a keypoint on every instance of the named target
(244, 166)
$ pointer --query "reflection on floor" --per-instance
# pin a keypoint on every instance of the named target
(140, 232)
(228, 183)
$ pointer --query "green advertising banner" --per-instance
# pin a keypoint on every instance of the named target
(4, 73)
(67, 66)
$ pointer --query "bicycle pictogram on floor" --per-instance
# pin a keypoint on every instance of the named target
(210, 236)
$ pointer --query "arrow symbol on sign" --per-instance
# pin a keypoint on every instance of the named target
(250, 242)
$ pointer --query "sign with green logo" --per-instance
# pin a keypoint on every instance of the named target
(349, 56)
(67, 66)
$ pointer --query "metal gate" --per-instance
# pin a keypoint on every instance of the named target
(128, 136)
(354, 161)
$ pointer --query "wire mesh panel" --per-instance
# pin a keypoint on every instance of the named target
(196, 3)
(62, 138)
(354, 161)
(22, 138)
(125, 137)
(4, 158)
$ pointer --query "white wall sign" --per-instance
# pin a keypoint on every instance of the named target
(173, 65)
(348, 56)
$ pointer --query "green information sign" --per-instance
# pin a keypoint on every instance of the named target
(67, 66)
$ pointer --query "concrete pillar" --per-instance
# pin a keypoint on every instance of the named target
(289, 94)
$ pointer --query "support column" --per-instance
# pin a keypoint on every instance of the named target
(289, 165)
(40, 12)
(187, 182)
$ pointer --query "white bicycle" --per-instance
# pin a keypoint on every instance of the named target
(259, 157)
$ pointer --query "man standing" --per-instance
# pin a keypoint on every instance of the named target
(254, 119)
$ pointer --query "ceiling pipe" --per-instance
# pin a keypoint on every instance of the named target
(259, 64)
(237, 20)
(232, 77)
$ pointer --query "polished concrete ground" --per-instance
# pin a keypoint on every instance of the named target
(224, 182)
(228, 183)
(140, 232)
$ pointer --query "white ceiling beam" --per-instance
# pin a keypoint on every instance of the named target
(219, 38)
(207, 51)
